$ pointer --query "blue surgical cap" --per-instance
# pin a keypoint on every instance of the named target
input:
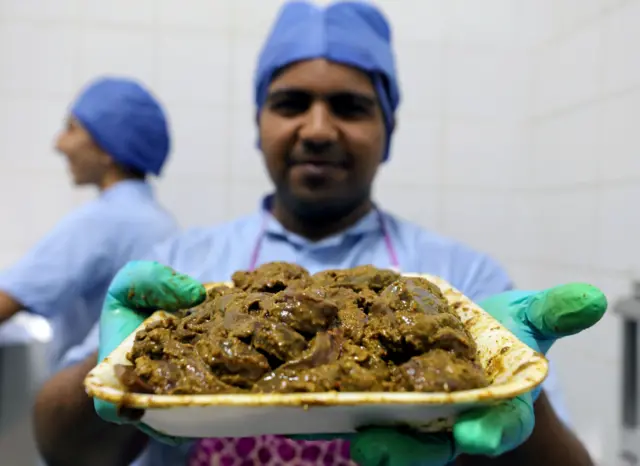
(352, 33)
(126, 121)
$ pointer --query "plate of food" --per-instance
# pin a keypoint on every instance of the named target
(280, 351)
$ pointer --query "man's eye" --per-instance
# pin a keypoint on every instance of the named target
(290, 103)
(290, 106)
(350, 111)
(350, 107)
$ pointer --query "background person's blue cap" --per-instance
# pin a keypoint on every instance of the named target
(352, 33)
(126, 121)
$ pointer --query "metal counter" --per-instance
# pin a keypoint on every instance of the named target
(23, 356)
(629, 312)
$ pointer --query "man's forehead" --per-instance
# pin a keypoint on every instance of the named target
(323, 77)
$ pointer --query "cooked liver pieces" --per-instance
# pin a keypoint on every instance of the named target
(280, 329)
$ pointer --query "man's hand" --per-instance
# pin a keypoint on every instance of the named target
(138, 289)
(8, 307)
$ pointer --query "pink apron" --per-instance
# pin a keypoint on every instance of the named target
(269, 450)
(274, 450)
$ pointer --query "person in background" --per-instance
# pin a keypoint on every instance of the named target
(326, 93)
(116, 135)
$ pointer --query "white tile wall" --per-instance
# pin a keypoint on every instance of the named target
(208, 155)
(583, 188)
(490, 23)
(195, 199)
(64, 10)
(529, 207)
(44, 198)
(569, 71)
(568, 226)
(618, 228)
(474, 215)
(28, 129)
(535, 21)
(431, 23)
(417, 144)
(621, 36)
(200, 15)
(567, 149)
(517, 133)
(244, 56)
(121, 12)
(38, 57)
(253, 18)
(425, 207)
(570, 14)
(484, 83)
(245, 159)
(245, 195)
(117, 51)
(620, 136)
(473, 150)
(189, 67)
(426, 81)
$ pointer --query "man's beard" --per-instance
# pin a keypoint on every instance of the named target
(321, 211)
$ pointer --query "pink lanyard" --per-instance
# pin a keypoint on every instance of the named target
(391, 251)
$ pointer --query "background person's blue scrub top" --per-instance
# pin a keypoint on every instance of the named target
(66, 275)
(213, 254)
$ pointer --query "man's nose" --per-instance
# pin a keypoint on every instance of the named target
(57, 143)
(319, 130)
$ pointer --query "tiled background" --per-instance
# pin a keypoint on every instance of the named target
(518, 134)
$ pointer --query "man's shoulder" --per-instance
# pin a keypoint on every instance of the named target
(427, 240)
(127, 232)
(470, 270)
(101, 213)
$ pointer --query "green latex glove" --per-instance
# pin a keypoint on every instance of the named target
(536, 318)
(138, 289)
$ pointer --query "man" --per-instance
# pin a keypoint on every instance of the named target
(116, 134)
(326, 93)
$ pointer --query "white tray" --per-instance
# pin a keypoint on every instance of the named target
(512, 367)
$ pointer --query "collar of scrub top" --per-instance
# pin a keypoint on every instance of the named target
(374, 221)
(126, 188)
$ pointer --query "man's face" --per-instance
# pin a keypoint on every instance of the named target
(323, 136)
(87, 162)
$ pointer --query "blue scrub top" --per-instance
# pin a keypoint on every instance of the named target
(213, 254)
(66, 275)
